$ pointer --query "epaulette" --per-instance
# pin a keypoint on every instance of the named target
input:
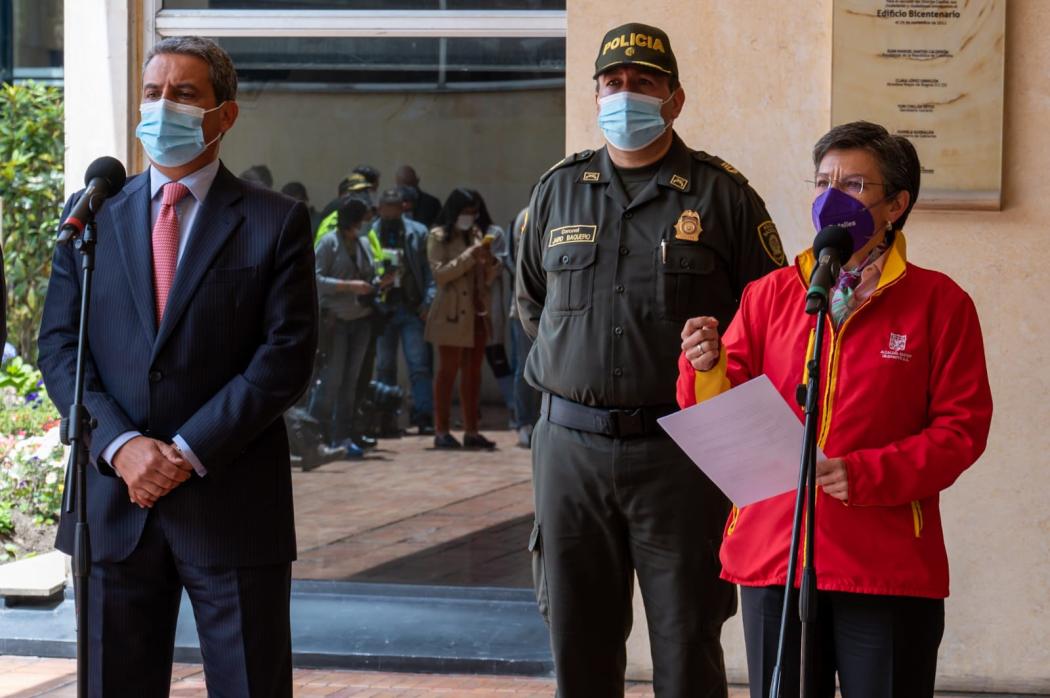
(720, 164)
(570, 160)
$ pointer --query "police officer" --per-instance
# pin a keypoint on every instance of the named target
(621, 246)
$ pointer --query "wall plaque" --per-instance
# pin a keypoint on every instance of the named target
(931, 70)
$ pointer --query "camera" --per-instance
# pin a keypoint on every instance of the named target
(380, 410)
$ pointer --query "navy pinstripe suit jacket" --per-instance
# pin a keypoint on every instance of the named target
(234, 351)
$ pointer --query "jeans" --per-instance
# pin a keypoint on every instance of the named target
(526, 398)
(405, 326)
(344, 344)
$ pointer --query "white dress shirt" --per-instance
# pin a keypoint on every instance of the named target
(199, 183)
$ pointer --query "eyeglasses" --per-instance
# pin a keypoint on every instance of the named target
(851, 185)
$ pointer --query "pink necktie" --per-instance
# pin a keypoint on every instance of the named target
(166, 244)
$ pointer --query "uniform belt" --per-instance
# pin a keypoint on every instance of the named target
(617, 423)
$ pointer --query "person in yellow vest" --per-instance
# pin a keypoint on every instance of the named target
(354, 186)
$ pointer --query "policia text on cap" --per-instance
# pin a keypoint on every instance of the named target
(622, 245)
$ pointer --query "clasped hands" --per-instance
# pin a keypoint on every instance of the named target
(151, 469)
(702, 347)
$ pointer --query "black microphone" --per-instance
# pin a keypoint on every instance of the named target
(833, 247)
(104, 178)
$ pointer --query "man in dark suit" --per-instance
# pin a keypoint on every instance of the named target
(203, 331)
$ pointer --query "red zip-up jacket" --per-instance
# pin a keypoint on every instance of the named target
(905, 402)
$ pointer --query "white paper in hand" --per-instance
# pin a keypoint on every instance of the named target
(747, 440)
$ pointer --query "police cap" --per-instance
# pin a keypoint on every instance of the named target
(355, 181)
(636, 44)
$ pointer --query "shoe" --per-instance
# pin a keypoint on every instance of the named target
(477, 441)
(365, 442)
(525, 436)
(353, 451)
(426, 430)
(446, 441)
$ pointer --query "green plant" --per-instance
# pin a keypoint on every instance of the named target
(31, 476)
(31, 189)
(7, 522)
(22, 377)
(24, 416)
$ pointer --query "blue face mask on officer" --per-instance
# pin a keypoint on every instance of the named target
(632, 121)
(171, 132)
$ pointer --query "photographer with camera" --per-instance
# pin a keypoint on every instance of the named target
(399, 246)
(346, 287)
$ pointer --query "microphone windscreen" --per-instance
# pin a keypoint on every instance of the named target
(838, 239)
(109, 169)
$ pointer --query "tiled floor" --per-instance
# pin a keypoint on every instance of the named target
(23, 677)
(27, 677)
(410, 513)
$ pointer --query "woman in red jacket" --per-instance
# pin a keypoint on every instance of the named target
(906, 408)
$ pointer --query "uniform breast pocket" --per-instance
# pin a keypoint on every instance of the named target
(685, 272)
(570, 277)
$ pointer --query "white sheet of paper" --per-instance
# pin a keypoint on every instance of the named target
(747, 440)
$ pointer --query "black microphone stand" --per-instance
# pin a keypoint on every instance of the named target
(808, 396)
(76, 433)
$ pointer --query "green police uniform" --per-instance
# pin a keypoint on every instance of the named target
(605, 282)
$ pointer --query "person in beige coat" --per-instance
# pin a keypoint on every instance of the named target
(458, 323)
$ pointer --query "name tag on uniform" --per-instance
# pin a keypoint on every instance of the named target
(568, 234)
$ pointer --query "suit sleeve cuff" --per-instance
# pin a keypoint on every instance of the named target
(115, 445)
(188, 453)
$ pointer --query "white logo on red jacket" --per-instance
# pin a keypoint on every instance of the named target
(897, 344)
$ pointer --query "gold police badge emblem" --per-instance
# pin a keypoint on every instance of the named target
(688, 226)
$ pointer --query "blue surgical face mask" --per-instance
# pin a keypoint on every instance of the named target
(631, 121)
(171, 132)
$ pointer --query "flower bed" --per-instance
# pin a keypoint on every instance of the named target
(32, 464)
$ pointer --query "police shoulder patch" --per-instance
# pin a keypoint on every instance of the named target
(720, 164)
(770, 239)
(565, 162)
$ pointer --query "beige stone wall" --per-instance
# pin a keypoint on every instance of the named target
(757, 79)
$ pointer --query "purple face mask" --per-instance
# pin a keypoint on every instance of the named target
(835, 207)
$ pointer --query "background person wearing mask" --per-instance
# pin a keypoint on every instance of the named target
(399, 245)
(458, 322)
(907, 408)
(345, 269)
(354, 186)
(622, 245)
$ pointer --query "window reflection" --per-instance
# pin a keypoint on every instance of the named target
(341, 118)
(31, 40)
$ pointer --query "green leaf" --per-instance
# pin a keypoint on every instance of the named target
(31, 186)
